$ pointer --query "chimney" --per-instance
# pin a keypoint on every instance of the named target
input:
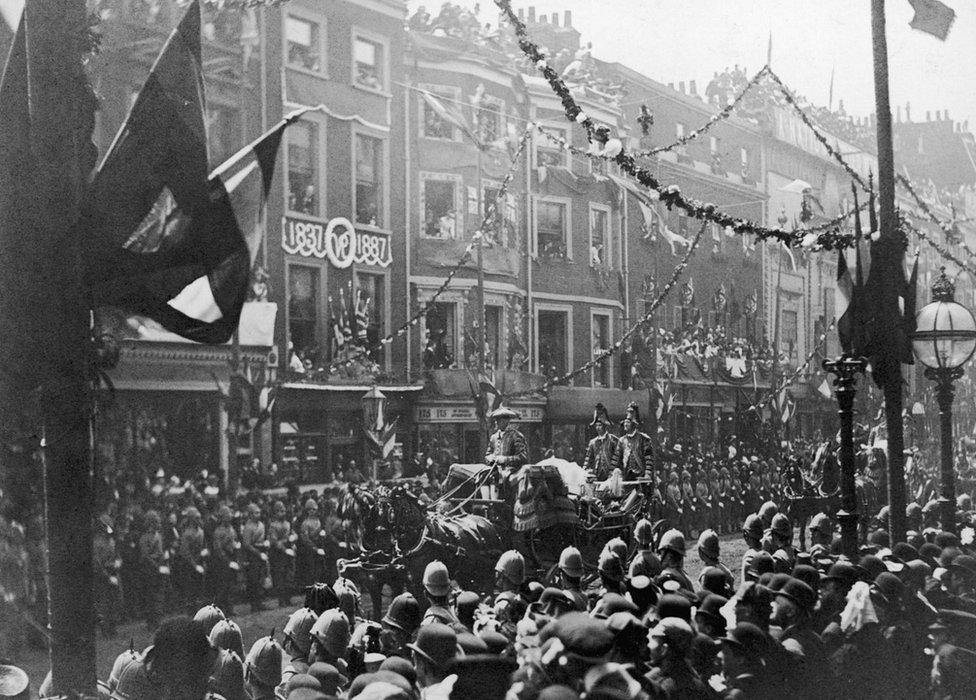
(692, 88)
(543, 19)
(965, 125)
(531, 14)
(521, 13)
(568, 19)
(945, 114)
(555, 19)
(681, 87)
(671, 86)
(928, 116)
(898, 114)
(908, 112)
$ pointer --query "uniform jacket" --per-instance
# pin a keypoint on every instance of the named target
(507, 448)
(599, 455)
(634, 455)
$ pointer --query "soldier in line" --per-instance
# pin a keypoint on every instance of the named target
(281, 554)
(225, 566)
(254, 546)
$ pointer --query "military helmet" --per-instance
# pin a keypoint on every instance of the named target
(227, 677)
(821, 523)
(208, 616)
(403, 613)
(298, 629)
(673, 540)
(511, 565)
(437, 581)
(644, 532)
(708, 543)
(134, 683)
(122, 662)
(610, 566)
(227, 635)
(781, 526)
(311, 504)
(331, 631)
(753, 526)
(767, 510)
(618, 547)
(571, 562)
(263, 661)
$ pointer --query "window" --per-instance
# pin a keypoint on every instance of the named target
(713, 144)
(599, 237)
(369, 181)
(302, 40)
(679, 130)
(500, 226)
(744, 163)
(441, 342)
(788, 333)
(303, 312)
(369, 64)
(553, 346)
(371, 311)
(435, 126)
(489, 119)
(441, 211)
(600, 329)
(547, 152)
(303, 168)
(493, 326)
(552, 229)
(223, 132)
(921, 145)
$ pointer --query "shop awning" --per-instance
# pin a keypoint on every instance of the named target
(361, 388)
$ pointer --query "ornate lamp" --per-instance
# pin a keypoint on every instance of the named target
(374, 401)
(944, 340)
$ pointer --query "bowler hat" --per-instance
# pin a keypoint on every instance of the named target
(436, 643)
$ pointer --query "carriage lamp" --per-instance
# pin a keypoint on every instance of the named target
(944, 340)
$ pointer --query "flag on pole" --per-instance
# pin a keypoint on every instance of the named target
(824, 389)
(844, 304)
(450, 114)
(909, 300)
(769, 50)
(932, 17)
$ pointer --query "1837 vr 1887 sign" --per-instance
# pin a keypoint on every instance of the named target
(338, 240)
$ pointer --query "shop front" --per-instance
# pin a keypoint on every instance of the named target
(320, 433)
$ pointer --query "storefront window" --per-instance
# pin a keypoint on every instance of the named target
(441, 345)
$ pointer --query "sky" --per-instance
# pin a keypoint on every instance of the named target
(675, 40)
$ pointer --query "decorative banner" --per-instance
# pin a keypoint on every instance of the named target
(339, 241)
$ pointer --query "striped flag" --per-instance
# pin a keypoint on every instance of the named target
(844, 304)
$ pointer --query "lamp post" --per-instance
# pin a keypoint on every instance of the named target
(845, 369)
(944, 340)
(374, 401)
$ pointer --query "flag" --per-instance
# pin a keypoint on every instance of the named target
(824, 389)
(338, 338)
(450, 114)
(189, 269)
(932, 17)
(789, 254)
(830, 91)
(788, 409)
(909, 299)
(674, 239)
(844, 305)
(11, 11)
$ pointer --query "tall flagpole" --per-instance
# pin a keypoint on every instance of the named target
(888, 254)
(61, 120)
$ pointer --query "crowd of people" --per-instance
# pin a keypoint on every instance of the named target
(895, 620)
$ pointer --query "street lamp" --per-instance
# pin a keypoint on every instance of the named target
(944, 340)
(374, 401)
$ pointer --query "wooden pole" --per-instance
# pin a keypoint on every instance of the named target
(887, 255)
(60, 126)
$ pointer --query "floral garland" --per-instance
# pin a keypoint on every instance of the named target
(819, 135)
(791, 379)
(606, 354)
(670, 194)
(465, 257)
(940, 249)
(725, 113)
(807, 241)
(927, 210)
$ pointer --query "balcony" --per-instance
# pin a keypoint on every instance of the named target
(444, 253)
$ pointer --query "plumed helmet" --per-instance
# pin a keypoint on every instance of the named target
(600, 415)
(227, 635)
(403, 613)
(208, 616)
(331, 631)
(511, 565)
(610, 566)
(708, 543)
(674, 541)
(753, 526)
(767, 510)
(122, 661)
(571, 562)
(781, 526)
(298, 629)
(633, 412)
(227, 678)
(263, 662)
(437, 581)
(644, 532)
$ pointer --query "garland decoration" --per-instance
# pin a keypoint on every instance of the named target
(476, 240)
(946, 227)
(669, 194)
(939, 248)
(722, 115)
(806, 241)
(648, 315)
(795, 374)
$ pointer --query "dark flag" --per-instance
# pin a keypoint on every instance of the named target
(932, 17)
(910, 297)
(844, 305)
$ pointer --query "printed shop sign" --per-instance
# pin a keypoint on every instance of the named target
(338, 240)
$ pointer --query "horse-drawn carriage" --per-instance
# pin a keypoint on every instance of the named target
(482, 511)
